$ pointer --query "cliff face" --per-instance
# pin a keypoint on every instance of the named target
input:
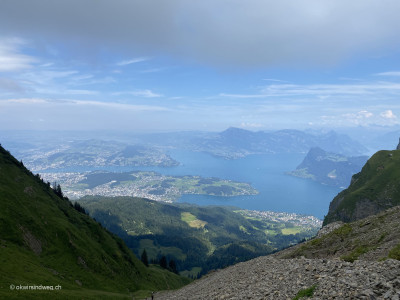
(398, 146)
(374, 189)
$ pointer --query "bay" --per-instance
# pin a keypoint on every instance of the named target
(266, 172)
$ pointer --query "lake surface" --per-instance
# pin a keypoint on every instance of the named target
(265, 172)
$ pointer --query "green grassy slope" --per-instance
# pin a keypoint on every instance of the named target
(374, 189)
(376, 237)
(203, 238)
(45, 241)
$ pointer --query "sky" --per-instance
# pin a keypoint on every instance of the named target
(167, 65)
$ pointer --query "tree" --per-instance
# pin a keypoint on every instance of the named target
(79, 208)
(57, 190)
(172, 266)
(163, 262)
(144, 258)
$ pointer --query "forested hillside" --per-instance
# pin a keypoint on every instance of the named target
(198, 239)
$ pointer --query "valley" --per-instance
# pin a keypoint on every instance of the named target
(201, 238)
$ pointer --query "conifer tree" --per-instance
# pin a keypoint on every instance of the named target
(172, 266)
(144, 258)
(163, 262)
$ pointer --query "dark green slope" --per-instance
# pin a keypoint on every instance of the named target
(44, 241)
(197, 238)
(374, 189)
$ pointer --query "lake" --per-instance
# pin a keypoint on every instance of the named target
(265, 172)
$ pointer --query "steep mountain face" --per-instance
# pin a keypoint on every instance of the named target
(374, 189)
(45, 241)
(329, 168)
(398, 146)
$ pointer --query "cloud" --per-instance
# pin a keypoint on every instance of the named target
(80, 103)
(139, 93)
(132, 61)
(66, 114)
(388, 114)
(322, 90)
(364, 114)
(11, 60)
(392, 73)
(25, 101)
(252, 33)
(251, 125)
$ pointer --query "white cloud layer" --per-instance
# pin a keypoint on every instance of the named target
(11, 60)
(388, 114)
(239, 33)
(132, 61)
(139, 93)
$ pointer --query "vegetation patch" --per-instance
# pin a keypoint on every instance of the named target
(394, 253)
(291, 230)
(356, 253)
(192, 273)
(305, 293)
(343, 230)
(153, 251)
(192, 220)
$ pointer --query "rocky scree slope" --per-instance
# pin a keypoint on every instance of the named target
(271, 278)
(359, 260)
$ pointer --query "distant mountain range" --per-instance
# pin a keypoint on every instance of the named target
(44, 153)
(93, 153)
(329, 168)
(236, 142)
